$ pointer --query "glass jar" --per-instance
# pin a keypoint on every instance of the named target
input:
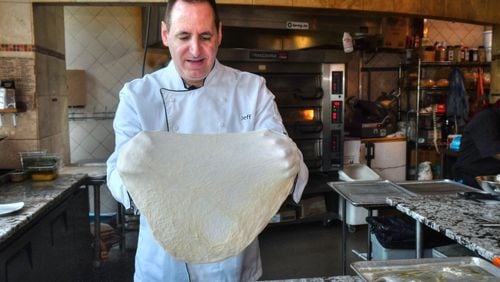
(457, 53)
(450, 54)
(481, 54)
(473, 55)
(440, 54)
(465, 56)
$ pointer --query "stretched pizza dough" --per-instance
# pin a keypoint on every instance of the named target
(206, 197)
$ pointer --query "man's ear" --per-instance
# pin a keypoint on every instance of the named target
(220, 33)
(164, 33)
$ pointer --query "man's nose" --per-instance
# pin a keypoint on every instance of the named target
(194, 47)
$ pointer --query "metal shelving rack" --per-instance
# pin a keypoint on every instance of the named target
(419, 64)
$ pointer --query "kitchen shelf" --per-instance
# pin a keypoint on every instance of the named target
(430, 64)
(411, 78)
(12, 112)
(8, 111)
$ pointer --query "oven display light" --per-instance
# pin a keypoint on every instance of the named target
(336, 111)
(308, 114)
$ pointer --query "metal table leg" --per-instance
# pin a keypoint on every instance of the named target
(344, 236)
(419, 240)
(121, 226)
(96, 183)
(369, 242)
(97, 224)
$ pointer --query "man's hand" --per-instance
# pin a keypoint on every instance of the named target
(285, 149)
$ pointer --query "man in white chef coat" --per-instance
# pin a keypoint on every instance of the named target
(194, 94)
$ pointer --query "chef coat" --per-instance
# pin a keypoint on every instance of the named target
(229, 101)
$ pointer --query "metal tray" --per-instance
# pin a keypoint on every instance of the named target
(369, 193)
(470, 268)
(435, 187)
(489, 183)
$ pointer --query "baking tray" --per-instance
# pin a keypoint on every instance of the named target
(369, 193)
(430, 269)
(435, 187)
(489, 183)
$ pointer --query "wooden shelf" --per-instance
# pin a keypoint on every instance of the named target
(2, 111)
(449, 64)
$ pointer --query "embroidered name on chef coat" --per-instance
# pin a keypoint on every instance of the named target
(246, 117)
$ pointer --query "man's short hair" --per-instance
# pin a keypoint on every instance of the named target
(171, 4)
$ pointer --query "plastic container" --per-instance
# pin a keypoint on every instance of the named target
(347, 43)
(452, 250)
(42, 166)
(18, 176)
(381, 253)
(356, 172)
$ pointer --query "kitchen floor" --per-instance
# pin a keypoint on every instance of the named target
(288, 251)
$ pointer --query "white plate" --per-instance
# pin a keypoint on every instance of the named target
(12, 207)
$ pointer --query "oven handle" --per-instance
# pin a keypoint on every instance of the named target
(318, 94)
(309, 126)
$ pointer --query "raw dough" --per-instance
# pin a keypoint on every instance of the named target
(206, 197)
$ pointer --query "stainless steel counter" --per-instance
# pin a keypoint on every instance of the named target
(375, 194)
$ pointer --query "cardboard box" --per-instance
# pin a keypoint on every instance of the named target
(373, 130)
(77, 88)
(395, 30)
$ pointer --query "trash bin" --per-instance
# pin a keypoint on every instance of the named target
(394, 238)
(356, 172)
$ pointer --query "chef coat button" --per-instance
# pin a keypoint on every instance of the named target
(221, 124)
(223, 100)
(172, 100)
(176, 128)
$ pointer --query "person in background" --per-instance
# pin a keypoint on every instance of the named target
(479, 152)
(194, 93)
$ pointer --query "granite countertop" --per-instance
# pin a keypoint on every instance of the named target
(323, 279)
(458, 218)
(38, 197)
(92, 170)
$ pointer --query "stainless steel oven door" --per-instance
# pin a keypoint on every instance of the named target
(311, 151)
(302, 122)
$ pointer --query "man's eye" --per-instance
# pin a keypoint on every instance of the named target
(206, 37)
(183, 38)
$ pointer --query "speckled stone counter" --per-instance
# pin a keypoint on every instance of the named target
(323, 279)
(38, 197)
(459, 219)
(93, 170)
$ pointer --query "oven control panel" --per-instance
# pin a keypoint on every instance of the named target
(334, 85)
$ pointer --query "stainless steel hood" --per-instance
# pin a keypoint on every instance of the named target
(281, 28)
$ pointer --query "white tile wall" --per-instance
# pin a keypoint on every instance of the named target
(453, 33)
(106, 42)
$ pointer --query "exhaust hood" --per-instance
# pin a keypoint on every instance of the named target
(281, 28)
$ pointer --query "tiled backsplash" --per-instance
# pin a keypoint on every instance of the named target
(106, 43)
(452, 33)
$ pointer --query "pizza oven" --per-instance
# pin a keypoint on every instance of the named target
(309, 86)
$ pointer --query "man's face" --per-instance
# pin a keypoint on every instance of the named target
(193, 40)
